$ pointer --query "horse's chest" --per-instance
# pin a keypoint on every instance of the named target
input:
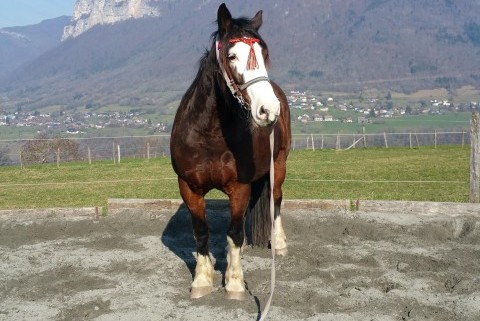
(218, 157)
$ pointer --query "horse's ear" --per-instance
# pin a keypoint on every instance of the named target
(257, 20)
(224, 19)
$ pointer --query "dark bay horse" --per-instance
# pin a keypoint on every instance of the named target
(220, 140)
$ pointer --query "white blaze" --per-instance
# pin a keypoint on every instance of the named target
(265, 106)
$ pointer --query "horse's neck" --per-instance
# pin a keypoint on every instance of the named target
(212, 94)
(211, 105)
(202, 99)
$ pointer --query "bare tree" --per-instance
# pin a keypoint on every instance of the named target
(44, 149)
(4, 159)
(36, 150)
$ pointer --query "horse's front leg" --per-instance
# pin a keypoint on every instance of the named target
(280, 173)
(203, 280)
(234, 283)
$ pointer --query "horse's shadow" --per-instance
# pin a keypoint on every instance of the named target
(178, 235)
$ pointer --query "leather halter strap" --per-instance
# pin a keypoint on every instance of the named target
(253, 81)
(237, 89)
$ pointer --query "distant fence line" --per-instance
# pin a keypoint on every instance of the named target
(385, 139)
(57, 150)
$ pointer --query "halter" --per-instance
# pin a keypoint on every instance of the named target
(252, 63)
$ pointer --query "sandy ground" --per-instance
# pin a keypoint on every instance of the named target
(385, 263)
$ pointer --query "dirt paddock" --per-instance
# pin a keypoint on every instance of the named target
(384, 261)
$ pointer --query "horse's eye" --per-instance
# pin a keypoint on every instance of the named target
(232, 57)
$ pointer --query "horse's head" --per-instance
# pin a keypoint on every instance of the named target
(243, 58)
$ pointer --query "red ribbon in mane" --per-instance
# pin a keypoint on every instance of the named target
(252, 59)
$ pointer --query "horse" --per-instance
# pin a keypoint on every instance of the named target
(220, 140)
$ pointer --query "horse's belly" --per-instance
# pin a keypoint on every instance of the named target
(208, 169)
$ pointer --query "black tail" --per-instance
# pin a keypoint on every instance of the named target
(258, 219)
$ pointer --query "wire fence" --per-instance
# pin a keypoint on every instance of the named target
(410, 139)
(28, 151)
(57, 150)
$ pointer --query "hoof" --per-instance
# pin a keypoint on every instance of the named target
(281, 252)
(199, 292)
(239, 296)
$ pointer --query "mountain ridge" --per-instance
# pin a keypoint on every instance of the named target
(351, 45)
(19, 45)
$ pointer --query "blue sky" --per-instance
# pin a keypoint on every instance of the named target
(28, 12)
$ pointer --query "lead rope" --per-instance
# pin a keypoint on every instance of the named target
(272, 233)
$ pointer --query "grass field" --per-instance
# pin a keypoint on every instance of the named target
(417, 123)
(424, 174)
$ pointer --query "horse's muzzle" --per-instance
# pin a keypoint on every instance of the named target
(266, 115)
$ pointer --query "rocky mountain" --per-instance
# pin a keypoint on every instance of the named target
(350, 45)
(19, 45)
(89, 13)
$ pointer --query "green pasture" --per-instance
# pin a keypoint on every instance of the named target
(455, 121)
(423, 174)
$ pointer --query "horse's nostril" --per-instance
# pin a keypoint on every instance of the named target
(262, 111)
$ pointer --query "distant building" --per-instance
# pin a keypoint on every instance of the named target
(362, 120)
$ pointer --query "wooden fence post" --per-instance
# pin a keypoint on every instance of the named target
(435, 139)
(475, 158)
(385, 139)
(89, 156)
(113, 152)
(364, 138)
(313, 144)
(119, 157)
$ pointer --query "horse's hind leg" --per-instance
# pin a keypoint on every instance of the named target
(280, 237)
(203, 280)
(234, 283)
